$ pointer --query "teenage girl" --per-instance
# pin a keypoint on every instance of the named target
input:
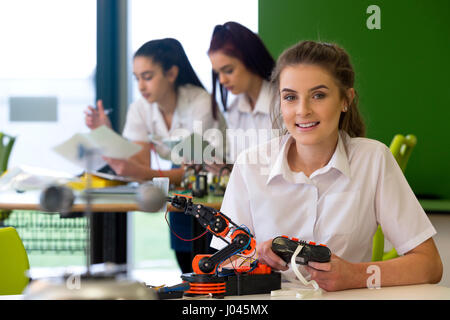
(172, 100)
(242, 65)
(324, 182)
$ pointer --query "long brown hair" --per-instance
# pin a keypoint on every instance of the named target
(236, 40)
(169, 52)
(337, 62)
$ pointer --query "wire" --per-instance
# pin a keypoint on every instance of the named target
(248, 258)
(198, 237)
(242, 227)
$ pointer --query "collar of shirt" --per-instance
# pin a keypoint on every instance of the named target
(263, 102)
(280, 166)
(183, 103)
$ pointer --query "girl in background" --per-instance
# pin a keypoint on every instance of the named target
(172, 98)
(241, 65)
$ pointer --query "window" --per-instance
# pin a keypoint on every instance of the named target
(47, 63)
(192, 23)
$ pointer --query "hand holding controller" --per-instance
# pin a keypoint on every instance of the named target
(285, 248)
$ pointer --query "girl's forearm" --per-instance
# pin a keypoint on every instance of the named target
(415, 267)
(175, 175)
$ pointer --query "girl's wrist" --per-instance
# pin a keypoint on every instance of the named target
(151, 174)
(361, 274)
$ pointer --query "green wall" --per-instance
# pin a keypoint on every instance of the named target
(402, 70)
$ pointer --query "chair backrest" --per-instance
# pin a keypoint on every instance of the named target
(401, 147)
(13, 262)
(6, 144)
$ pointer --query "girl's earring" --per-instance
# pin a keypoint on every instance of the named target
(345, 109)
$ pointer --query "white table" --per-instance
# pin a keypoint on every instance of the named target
(412, 292)
(29, 200)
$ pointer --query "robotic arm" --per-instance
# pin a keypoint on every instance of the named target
(258, 278)
(241, 240)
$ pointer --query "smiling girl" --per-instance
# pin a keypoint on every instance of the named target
(328, 184)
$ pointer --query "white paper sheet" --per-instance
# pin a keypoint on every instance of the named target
(103, 140)
(23, 178)
(196, 150)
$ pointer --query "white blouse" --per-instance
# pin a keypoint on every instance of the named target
(246, 127)
(339, 205)
(145, 122)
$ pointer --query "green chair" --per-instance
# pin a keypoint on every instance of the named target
(6, 144)
(401, 147)
(13, 262)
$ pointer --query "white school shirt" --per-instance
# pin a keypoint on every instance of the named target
(339, 205)
(242, 121)
(193, 104)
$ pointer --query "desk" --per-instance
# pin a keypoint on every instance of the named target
(413, 292)
(29, 200)
(106, 230)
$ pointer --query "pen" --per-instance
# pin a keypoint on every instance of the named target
(106, 111)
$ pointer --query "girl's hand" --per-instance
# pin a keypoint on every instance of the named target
(125, 167)
(95, 118)
(267, 256)
(335, 275)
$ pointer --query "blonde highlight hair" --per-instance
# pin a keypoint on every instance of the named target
(337, 62)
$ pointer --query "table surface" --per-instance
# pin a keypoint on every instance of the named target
(412, 292)
(29, 200)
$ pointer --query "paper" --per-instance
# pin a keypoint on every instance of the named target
(156, 140)
(100, 142)
(111, 177)
(302, 288)
(194, 149)
(23, 178)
